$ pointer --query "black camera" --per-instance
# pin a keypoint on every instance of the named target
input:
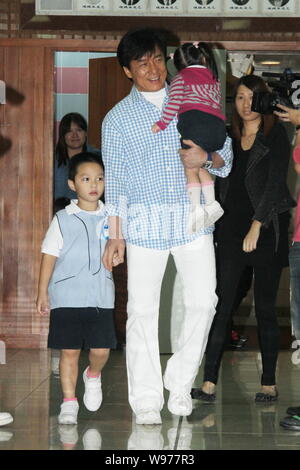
(266, 102)
(282, 92)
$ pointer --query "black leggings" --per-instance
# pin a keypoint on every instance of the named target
(266, 282)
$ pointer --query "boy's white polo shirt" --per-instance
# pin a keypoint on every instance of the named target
(53, 241)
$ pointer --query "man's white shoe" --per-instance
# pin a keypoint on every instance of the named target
(92, 397)
(68, 412)
(148, 417)
(5, 418)
(180, 403)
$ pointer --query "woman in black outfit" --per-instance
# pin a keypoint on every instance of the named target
(252, 232)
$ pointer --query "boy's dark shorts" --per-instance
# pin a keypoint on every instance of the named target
(81, 328)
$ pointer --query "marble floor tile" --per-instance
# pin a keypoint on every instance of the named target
(30, 391)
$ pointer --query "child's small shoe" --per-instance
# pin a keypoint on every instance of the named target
(92, 397)
(5, 418)
(196, 219)
(68, 412)
(213, 213)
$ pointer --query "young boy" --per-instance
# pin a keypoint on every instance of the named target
(76, 288)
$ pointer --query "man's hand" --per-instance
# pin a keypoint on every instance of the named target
(194, 157)
(113, 253)
(288, 114)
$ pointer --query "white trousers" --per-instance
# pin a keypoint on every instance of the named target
(195, 263)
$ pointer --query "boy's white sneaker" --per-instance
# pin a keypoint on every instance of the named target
(68, 412)
(5, 418)
(92, 397)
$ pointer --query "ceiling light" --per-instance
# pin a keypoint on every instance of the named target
(270, 62)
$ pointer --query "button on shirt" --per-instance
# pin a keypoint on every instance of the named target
(144, 176)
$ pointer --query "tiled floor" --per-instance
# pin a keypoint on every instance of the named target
(30, 391)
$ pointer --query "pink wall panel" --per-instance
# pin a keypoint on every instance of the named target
(71, 80)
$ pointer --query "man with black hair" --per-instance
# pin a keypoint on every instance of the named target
(148, 206)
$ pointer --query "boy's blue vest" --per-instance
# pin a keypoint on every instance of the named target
(79, 278)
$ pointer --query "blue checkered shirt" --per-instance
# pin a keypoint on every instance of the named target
(144, 176)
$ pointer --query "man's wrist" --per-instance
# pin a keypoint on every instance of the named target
(209, 162)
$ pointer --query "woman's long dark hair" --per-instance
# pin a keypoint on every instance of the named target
(256, 84)
(195, 54)
(64, 127)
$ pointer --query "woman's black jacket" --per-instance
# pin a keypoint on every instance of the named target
(266, 177)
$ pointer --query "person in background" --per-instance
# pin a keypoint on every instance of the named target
(252, 232)
(71, 141)
(292, 421)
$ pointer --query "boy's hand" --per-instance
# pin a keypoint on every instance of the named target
(155, 128)
(114, 250)
(43, 305)
(116, 260)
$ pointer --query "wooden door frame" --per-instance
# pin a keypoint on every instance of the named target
(18, 49)
(50, 46)
(110, 45)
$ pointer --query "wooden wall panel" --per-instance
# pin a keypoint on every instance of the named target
(26, 156)
(9, 191)
(25, 190)
(108, 85)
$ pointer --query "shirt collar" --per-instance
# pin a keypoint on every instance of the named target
(73, 208)
(137, 96)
